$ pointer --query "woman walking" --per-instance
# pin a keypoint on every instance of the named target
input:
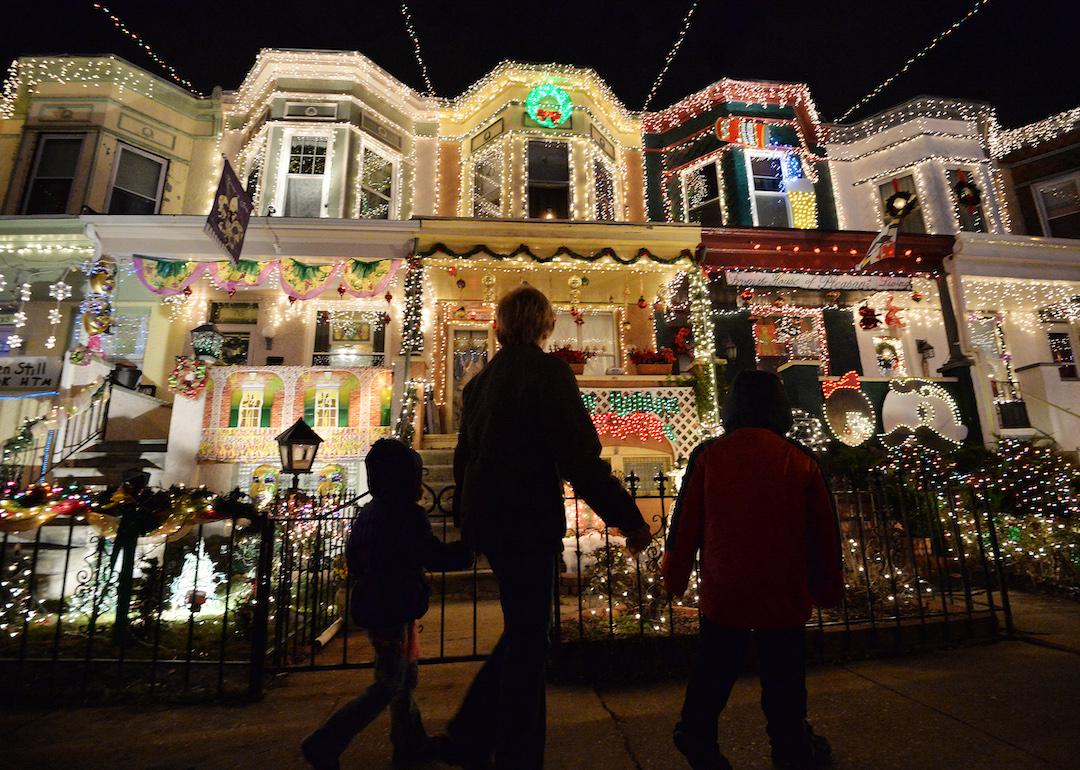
(769, 551)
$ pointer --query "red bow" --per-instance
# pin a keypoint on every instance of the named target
(849, 380)
(553, 115)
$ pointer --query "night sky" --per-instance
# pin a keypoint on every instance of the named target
(1020, 55)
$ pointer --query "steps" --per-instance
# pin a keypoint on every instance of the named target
(105, 463)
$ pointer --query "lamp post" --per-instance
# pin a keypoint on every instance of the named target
(298, 446)
(207, 342)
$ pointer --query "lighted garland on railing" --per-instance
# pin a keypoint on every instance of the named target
(704, 352)
(412, 317)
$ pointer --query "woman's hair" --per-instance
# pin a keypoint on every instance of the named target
(393, 471)
(523, 317)
(757, 400)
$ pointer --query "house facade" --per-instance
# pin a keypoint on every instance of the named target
(729, 228)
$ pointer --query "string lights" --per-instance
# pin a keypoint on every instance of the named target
(920, 54)
(672, 53)
(141, 43)
(416, 46)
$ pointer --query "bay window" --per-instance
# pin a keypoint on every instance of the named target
(913, 222)
(549, 180)
(1059, 207)
(487, 186)
(376, 185)
(305, 177)
(768, 198)
(701, 195)
(603, 192)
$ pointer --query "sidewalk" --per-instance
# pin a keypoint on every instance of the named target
(1011, 704)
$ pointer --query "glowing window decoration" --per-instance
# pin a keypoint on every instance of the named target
(922, 409)
(326, 407)
(250, 411)
(548, 105)
(848, 412)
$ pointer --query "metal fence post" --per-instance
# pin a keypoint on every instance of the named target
(262, 607)
(999, 566)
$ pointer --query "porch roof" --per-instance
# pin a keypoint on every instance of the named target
(310, 240)
(820, 251)
(541, 242)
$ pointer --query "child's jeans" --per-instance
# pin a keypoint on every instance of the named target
(395, 680)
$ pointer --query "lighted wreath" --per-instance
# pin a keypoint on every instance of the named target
(900, 204)
(968, 193)
(548, 105)
(188, 377)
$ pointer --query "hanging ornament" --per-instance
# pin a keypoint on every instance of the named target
(892, 315)
(584, 280)
(292, 300)
(488, 282)
(60, 291)
(574, 281)
(231, 291)
(460, 283)
(187, 292)
(868, 318)
(452, 269)
(641, 302)
(917, 296)
(388, 297)
(832, 296)
(341, 290)
(746, 296)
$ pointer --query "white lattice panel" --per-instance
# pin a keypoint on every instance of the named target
(681, 423)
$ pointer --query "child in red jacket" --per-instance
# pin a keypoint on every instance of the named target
(756, 506)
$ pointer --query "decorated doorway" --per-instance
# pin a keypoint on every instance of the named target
(468, 351)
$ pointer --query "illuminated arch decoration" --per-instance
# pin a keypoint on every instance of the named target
(923, 410)
(264, 484)
(848, 412)
(548, 105)
(333, 480)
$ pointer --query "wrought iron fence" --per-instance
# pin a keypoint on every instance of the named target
(220, 605)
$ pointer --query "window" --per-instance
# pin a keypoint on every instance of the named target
(304, 177)
(326, 407)
(971, 217)
(1059, 207)
(250, 412)
(597, 333)
(138, 179)
(783, 338)
(770, 204)
(913, 222)
(549, 180)
(487, 186)
(57, 158)
(701, 195)
(127, 340)
(988, 339)
(348, 339)
(1062, 351)
(604, 192)
(376, 186)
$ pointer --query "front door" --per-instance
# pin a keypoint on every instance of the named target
(469, 350)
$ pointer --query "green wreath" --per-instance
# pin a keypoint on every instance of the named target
(538, 105)
(188, 377)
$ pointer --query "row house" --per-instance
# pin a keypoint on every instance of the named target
(728, 227)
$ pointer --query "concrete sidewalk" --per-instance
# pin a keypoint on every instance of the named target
(1010, 704)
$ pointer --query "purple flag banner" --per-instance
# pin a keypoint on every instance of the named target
(227, 221)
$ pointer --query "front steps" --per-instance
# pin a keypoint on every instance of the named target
(105, 463)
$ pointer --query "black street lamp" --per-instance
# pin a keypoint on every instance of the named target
(298, 446)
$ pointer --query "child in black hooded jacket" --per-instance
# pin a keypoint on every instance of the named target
(389, 547)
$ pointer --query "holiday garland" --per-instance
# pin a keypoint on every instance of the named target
(522, 250)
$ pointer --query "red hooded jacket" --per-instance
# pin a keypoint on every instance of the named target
(756, 506)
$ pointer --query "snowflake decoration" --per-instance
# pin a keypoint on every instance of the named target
(55, 316)
(60, 291)
(50, 343)
(24, 293)
(19, 319)
(14, 341)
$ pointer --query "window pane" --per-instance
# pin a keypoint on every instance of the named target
(123, 202)
(138, 174)
(373, 206)
(549, 202)
(377, 174)
(768, 176)
(1061, 198)
(549, 162)
(307, 155)
(48, 196)
(128, 338)
(913, 222)
(59, 157)
(604, 191)
(708, 215)
(303, 197)
(772, 210)
(487, 186)
(701, 185)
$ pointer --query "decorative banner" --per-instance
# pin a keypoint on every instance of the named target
(848, 411)
(227, 222)
(797, 280)
(302, 281)
(923, 409)
(368, 279)
(246, 274)
(167, 276)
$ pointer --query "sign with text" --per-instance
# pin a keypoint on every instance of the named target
(29, 373)
(814, 281)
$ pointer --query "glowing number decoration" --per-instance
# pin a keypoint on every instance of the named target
(922, 409)
(548, 105)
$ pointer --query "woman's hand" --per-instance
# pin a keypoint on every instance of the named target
(638, 540)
